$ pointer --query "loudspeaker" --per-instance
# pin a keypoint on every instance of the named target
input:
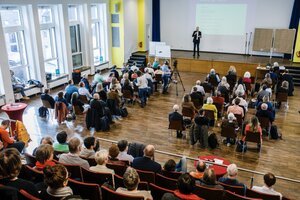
(116, 7)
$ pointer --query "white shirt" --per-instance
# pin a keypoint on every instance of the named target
(124, 156)
(84, 91)
(199, 89)
(150, 70)
(142, 82)
(148, 76)
(133, 68)
(266, 190)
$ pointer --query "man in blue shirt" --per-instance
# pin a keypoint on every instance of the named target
(70, 89)
(165, 76)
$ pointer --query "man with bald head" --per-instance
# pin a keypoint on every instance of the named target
(146, 162)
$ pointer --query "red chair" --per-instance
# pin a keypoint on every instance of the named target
(110, 194)
(165, 182)
(230, 196)
(119, 169)
(265, 123)
(30, 159)
(188, 112)
(208, 193)
(96, 177)
(26, 196)
(74, 170)
(157, 192)
(146, 176)
(173, 175)
(253, 137)
(31, 174)
(91, 161)
(119, 183)
(85, 190)
(255, 194)
(240, 190)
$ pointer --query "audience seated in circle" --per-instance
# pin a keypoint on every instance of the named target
(269, 181)
(123, 155)
(186, 185)
(44, 156)
(61, 145)
(91, 145)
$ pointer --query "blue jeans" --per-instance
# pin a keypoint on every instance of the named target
(182, 165)
(18, 145)
(166, 81)
(19, 88)
(143, 95)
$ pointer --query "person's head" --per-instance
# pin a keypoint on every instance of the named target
(61, 137)
(44, 152)
(198, 82)
(237, 101)
(201, 166)
(131, 179)
(224, 80)
(201, 112)
(101, 157)
(264, 106)
(99, 87)
(74, 97)
(186, 184)
(125, 76)
(197, 28)
(149, 151)
(47, 140)
(175, 108)
(60, 95)
(269, 179)
(231, 117)
(186, 98)
(285, 84)
(96, 96)
(46, 91)
(247, 74)
(232, 171)
(5, 124)
(212, 71)
(56, 176)
(169, 196)
(10, 163)
(209, 100)
(166, 62)
(81, 84)
(232, 69)
(254, 122)
(70, 82)
(126, 82)
(275, 64)
(74, 145)
(122, 145)
(170, 165)
(12, 72)
(267, 76)
(98, 71)
(209, 176)
(194, 89)
(114, 80)
(264, 87)
(139, 73)
(113, 151)
(89, 142)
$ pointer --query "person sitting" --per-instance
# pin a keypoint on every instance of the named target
(11, 165)
(240, 90)
(125, 68)
(209, 179)
(131, 181)
(101, 92)
(61, 144)
(243, 102)
(220, 101)
(223, 84)
(60, 98)
(149, 69)
(128, 87)
(91, 146)
(169, 196)
(98, 78)
(186, 185)
(115, 71)
(254, 127)
(134, 67)
(199, 87)
(200, 168)
(17, 85)
(146, 162)
(56, 179)
(236, 109)
(165, 76)
(247, 77)
(155, 64)
(201, 119)
(210, 106)
(267, 80)
(44, 156)
(264, 112)
(231, 179)
(46, 97)
(231, 75)
(86, 82)
(195, 95)
(123, 155)
(230, 122)
(84, 91)
(176, 116)
(101, 158)
(69, 90)
(76, 102)
(239, 82)
(72, 158)
(263, 92)
(44, 140)
(213, 77)
(113, 100)
(114, 81)
(171, 166)
(284, 88)
(289, 78)
(9, 142)
(187, 103)
(269, 181)
(113, 153)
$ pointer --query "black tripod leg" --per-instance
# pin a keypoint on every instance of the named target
(180, 80)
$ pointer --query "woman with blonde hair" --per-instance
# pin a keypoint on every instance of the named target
(231, 76)
(253, 127)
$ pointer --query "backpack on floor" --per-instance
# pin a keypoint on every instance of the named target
(274, 132)
(43, 112)
(105, 123)
(124, 112)
(213, 141)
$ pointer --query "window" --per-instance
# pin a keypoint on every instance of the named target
(15, 41)
(49, 42)
(72, 13)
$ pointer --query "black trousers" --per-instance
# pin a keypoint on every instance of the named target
(196, 45)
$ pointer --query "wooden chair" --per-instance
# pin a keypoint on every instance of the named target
(127, 95)
(30, 159)
(83, 99)
(157, 192)
(119, 169)
(240, 190)
(239, 120)
(146, 176)
(230, 196)
(198, 103)
(91, 161)
(96, 177)
(176, 125)
(265, 123)
(228, 132)
(119, 183)
(110, 194)
(74, 170)
(210, 115)
(253, 137)
(283, 98)
(188, 112)
(85, 190)
(255, 194)
(173, 175)
(220, 108)
(26, 196)
(208, 193)
(165, 182)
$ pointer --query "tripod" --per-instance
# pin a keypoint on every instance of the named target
(176, 74)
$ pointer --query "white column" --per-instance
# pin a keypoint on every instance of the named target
(88, 37)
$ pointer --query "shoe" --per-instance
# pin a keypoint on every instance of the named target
(26, 98)
(228, 144)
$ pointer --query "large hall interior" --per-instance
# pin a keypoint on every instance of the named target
(150, 99)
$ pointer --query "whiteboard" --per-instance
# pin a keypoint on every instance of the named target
(152, 47)
(163, 51)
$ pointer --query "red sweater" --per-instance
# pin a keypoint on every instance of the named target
(40, 166)
(5, 138)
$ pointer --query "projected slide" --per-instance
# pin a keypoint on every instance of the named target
(221, 19)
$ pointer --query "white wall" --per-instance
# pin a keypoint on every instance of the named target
(130, 27)
(178, 22)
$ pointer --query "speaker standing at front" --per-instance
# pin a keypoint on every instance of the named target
(196, 40)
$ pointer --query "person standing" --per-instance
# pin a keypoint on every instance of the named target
(196, 40)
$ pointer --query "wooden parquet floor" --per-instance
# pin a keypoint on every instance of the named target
(150, 126)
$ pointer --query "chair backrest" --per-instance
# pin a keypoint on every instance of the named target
(95, 177)
(119, 169)
(176, 125)
(281, 97)
(158, 77)
(252, 137)
(32, 174)
(119, 183)
(240, 190)
(248, 87)
(8, 193)
(213, 81)
(83, 99)
(239, 119)
(198, 103)
(30, 159)
(46, 104)
(91, 161)
(110, 194)
(173, 175)
(74, 170)
(26, 196)
(255, 194)
(264, 122)
(165, 182)
(85, 190)
(127, 94)
(228, 131)
(230, 195)
(209, 114)
(208, 193)
(188, 112)
(207, 87)
(157, 192)
(220, 107)
(146, 176)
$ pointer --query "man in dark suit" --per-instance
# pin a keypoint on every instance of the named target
(264, 112)
(174, 116)
(196, 40)
(45, 96)
(146, 162)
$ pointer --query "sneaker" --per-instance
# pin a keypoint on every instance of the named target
(26, 98)
(228, 144)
